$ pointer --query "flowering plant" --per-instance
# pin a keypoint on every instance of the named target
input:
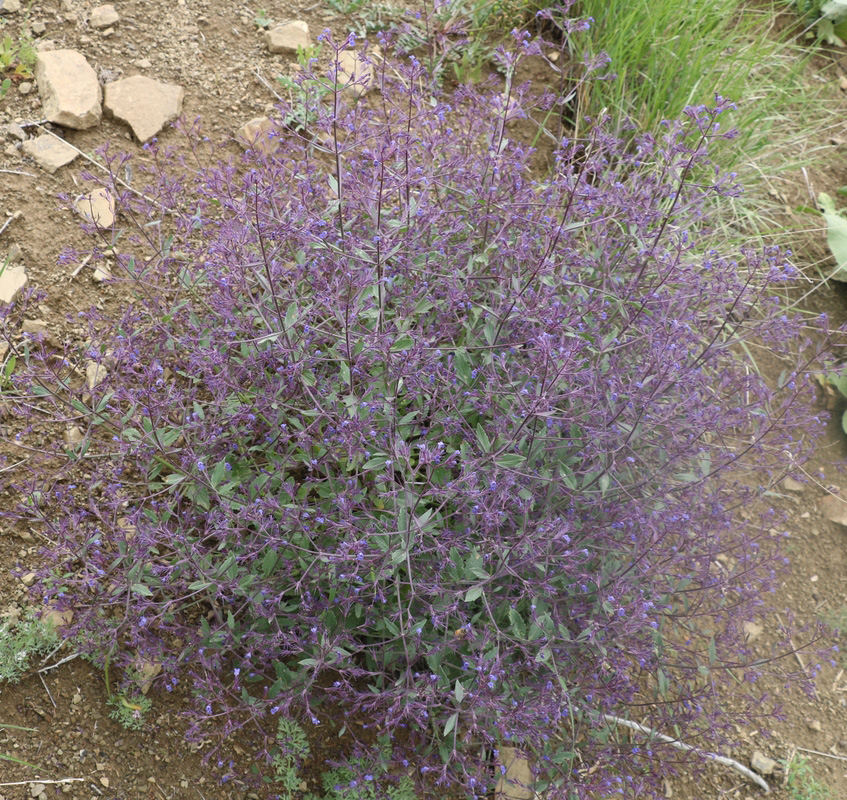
(401, 429)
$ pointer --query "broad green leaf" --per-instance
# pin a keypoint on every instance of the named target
(836, 236)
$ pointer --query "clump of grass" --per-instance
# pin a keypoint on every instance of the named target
(801, 783)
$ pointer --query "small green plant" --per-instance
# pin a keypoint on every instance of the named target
(836, 235)
(304, 94)
(262, 19)
(18, 56)
(801, 782)
(827, 17)
(20, 642)
(129, 711)
(366, 779)
(127, 708)
(292, 748)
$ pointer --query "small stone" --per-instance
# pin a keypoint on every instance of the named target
(515, 782)
(15, 131)
(25, 88)
(553, 55)
(15, 253)
(69, 89)
(753, 631)
(76, 699)
(103, 17)
(56, 619)
(29, 579)
(762, 764)
(10, 6)
(49, 152)
(38, 28)
(35, 789)
(790, 485)
(11, 151)
(258, 133)
(144, 104)
(104, 781)
(12, 281)
(814, 725)
(286, 38)
(101, 274)
(38, 327)
(95, 374)
(73, 435)
(147, 671)
(143, 63)
(97, 207)
(354, 75)
(834, 508)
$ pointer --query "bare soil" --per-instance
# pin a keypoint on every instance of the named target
(214, 49)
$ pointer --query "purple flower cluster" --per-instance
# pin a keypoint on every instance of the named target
(404, 428)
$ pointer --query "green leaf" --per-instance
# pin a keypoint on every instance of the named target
(459, 691)
(510, 460)
(484, 441)
(473, 593)
(836, 236)
(140, 588)
(451, 723)
(713, 655)
(404, 342)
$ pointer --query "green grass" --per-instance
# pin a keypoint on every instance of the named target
(800, 781)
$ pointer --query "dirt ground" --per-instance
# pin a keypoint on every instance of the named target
(214, 49)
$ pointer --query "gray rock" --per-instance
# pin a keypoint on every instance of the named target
(29, 579)
(762, 764)
(790, 485)
(95, 374)
(15, 131)
(753, 631)
(103, 17)
(286, 38)
(12, 281)
(49, 152)
(70, 92)
(38, 28)
(25, 88)
(97, 207)
(834, 508)
(514, 782)
(258, 134)
(144, 104)
(354, 75)
(15, 253)
(10, 6)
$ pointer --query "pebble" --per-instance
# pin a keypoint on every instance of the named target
(10, 6)
(97, 207)
(25, 88)
(29, 579)
(38, 28)
(762, 764)
(49, 152)
(103, 17)
(286, 38)
(354, 74)
(834, 508)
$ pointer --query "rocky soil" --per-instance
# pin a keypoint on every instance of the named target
(119, 74)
